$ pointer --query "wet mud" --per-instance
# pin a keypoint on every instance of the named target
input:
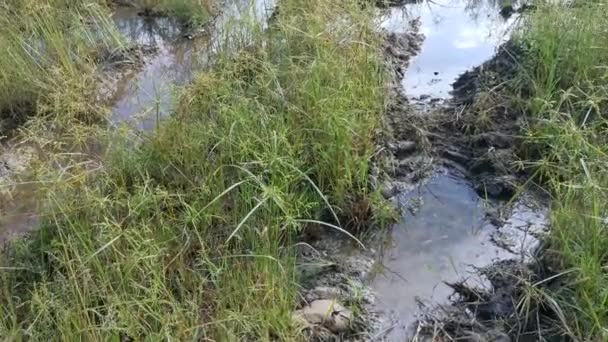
(18, 213)
(445, 231)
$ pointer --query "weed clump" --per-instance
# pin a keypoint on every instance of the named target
(565, 67)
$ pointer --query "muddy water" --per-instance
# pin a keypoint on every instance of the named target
(444, 232)
(459, 35)
(142, 97)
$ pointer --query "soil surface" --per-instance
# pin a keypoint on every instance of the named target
(17, 207)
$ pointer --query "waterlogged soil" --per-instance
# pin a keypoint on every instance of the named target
(451, 267)
(18, 212)
(139, 88)
(450, 227)
(446, 231)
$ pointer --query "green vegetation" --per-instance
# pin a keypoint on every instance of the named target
(50, 56)
(564, 76)
(189, 234)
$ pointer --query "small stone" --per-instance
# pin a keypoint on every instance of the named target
(327, 313)
(387, 190)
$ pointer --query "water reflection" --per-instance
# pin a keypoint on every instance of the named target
(442, 234)
(145, 96)
(459, 35)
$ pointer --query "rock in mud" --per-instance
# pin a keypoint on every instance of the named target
(342, 284)
(402, 148)
(387, 190)
(326, 313)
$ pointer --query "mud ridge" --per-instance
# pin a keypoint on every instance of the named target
(479, 131)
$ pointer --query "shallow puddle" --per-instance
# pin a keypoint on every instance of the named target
(443, 233)
(143, 97)
(146, 95)
(458, 35)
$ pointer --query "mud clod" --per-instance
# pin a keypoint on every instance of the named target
(400, 47)
(456, 156)
(402, 148)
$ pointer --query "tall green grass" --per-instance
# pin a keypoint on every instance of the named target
(189, 235)
(50, 50)
(564, 70)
